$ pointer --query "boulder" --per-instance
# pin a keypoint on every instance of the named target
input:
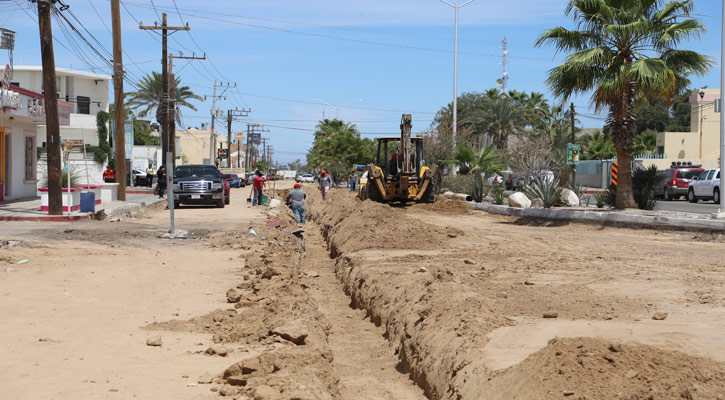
(519, 200)
(153, 341)
(537, 203)
(569, 197)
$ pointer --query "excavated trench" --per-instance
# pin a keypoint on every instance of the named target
(439, 295)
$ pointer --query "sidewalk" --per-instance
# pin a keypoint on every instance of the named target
(29, 209)
(632, 218)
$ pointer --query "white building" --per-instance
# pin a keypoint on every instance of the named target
(21, 111)
(87, 93)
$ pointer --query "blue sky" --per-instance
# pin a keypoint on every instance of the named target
(283, 54)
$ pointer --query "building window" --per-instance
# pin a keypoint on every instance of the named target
(30, 152)
(84, 105)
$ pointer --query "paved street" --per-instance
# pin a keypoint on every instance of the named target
(702, 207)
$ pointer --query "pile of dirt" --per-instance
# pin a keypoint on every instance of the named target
(445, 205)
(351, 225)
(269, 310)
(585, 368)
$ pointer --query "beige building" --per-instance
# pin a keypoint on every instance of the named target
(194, 146)
(702, 144)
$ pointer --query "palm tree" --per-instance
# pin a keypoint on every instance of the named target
(149, 94)
(625, 50)
(501, 117)
(597, 146)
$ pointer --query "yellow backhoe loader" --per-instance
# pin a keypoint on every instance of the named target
(399, 175)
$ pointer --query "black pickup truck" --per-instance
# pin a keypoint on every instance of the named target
(198, 184)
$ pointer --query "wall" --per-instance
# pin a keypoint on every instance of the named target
(16, 185)
(90, 136)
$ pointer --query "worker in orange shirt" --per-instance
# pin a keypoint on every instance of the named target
(109, 176)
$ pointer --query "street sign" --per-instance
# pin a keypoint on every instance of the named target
(222, 153)
(128, 128)
(572, 154)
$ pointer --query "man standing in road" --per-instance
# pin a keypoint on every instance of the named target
(161, 175)
(352, 180)
(296, 200)
(150, 176)
(325, 183)
(258, 187)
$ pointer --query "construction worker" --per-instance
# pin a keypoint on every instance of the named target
(325, 183)
(296, 201)
(258, 188)
(109, 176)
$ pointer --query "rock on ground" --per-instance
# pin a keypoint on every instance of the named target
(569, 197)
(293, 331)
(153, 341)
(217, 350)
(519, 200)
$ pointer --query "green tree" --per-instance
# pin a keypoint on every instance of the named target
(625, 51)
(337, 146)
(644, 143)
(147, 98)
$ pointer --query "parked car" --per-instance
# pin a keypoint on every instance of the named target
(307, 178)
(706, 187)
(139, 177)
(676, 182)
(495, 179)
(200, 184)
(271, 177)
(235, 181)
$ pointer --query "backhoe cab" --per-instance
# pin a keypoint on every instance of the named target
(399, 173)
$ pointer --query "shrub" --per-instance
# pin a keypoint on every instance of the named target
(643, 182)
(600, 198)
(499, 195)
(458, 184)
(549, 191)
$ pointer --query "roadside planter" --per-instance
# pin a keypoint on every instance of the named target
(75, 198)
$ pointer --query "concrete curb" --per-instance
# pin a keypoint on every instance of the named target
(605, 218)
(46, 218)
(125, 209)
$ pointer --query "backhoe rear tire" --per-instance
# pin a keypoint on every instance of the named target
(429, 196)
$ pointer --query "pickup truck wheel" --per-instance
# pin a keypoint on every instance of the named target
(220, 203)
(716, 196)
(691, 196)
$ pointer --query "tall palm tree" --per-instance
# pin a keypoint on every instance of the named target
(148, 97)
(625, 50)
(501, 117)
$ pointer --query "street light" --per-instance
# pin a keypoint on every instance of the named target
(455, 66)
(702, 112)
(337, 108)
(721, 211)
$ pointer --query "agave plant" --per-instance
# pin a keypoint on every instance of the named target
(548, 190)
(499, 195)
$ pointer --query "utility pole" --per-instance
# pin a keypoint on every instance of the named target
(171, 112)
(231, 114)
(573, 139)
(212, 136)
(252, 130)
(55, 189)
(120, 123)
(164, 28)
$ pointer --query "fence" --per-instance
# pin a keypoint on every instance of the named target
(598, 173)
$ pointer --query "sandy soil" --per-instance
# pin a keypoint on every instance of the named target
(380, 302)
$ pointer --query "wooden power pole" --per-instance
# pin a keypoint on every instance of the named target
(120, 118)
(55, 187)
(164, 101)
(230, 118)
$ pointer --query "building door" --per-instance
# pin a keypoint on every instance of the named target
(5, 161)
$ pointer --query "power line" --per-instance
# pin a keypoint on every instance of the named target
(317, 35)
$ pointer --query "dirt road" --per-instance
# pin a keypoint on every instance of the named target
(430, 301)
